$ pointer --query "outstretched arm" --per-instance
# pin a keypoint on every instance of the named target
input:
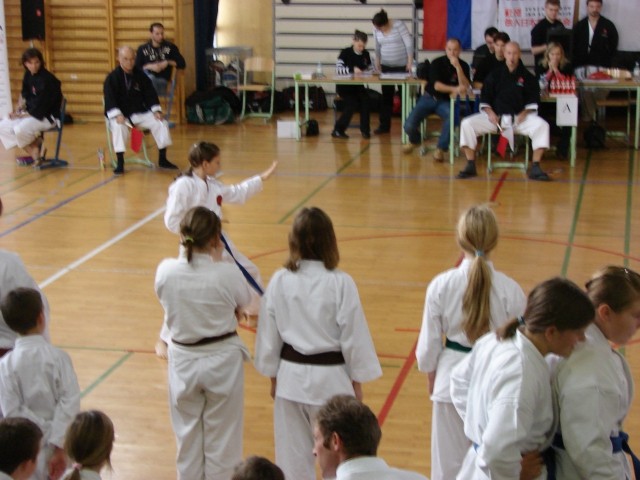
(269, 171)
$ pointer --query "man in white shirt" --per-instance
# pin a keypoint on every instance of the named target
(346, 438)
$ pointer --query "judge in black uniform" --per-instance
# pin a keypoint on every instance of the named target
(509, 91)
(131, 100)
(38, 107)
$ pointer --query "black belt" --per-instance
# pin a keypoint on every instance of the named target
(207, 340)
(327, 358)
(456, 346)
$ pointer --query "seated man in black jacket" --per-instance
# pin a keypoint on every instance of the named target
(510, 91)
(158, 57)
(130, 100)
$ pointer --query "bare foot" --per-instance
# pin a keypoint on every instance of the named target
(161, 349)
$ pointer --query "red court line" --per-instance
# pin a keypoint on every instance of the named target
(409, 360)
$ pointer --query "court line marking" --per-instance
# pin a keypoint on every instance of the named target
(101, 248)
(410, 360)
(105, 374)
(576, 214)
(323, 184)
(55, 207)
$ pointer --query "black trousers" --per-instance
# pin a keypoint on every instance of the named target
(388, 91)
(354, 97)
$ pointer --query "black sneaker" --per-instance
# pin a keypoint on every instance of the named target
(366, 135)
(469, 171)
(381, 131)
(536, 173)
(167, 164)
(339, 134)
(118, 170)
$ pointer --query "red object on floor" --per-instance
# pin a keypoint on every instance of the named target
(136, 139)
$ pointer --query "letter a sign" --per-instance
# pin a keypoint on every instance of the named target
(567, 111)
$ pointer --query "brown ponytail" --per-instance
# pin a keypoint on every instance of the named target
(198, 227)
(477, 235)
(556, 302)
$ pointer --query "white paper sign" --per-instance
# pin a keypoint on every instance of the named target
(567, 111)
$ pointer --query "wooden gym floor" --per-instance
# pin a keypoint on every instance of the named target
(93, 242)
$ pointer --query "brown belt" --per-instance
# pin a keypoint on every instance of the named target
(327, 358)
(207, 340)
(4, 351)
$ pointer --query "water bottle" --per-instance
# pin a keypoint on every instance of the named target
(319, 73)
(543, 84)
(636, 72)
(101, 158)
(414, 70)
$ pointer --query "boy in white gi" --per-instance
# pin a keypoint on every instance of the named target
(19, 447)
(502, 390)
(37, 380)
(595, 385)
(13, 274)
(313, 339)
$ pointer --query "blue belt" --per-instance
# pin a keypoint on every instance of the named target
(619, 443)
(247, 275)
(457, 347)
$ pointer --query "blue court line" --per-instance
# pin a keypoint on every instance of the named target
(55, 207)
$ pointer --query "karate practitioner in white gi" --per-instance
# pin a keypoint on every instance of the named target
(312, 341)
(13, 274)
(201, 296)
(461, 305)
(198, 186)
(37, 380)
(502, 390)
(595, 386)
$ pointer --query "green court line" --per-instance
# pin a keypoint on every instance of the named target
(576, 214)
(627, 226)
(322, 185)
(108, 372)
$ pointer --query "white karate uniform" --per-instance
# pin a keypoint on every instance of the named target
(13, 274)
(191, 191)
(443, 318)
(37, 381)
(4, 476)
(594, 388)
(21, 132)
(534, 127)
(206, 383)
(502, 390)
(314, 310)
(373, 468)
(120, 132)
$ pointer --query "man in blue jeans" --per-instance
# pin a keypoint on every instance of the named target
(447, 75)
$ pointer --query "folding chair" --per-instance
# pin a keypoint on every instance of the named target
(56, 161)
(253, 65)
(508, 164)
(135, 159)
(169, 95)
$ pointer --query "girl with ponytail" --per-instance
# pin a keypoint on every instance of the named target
(88, 443)
(462, 304)
(502, 390)
(202, 295)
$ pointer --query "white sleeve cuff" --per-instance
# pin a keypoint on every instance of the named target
(113, 113)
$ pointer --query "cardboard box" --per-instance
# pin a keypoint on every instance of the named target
(287, 129)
